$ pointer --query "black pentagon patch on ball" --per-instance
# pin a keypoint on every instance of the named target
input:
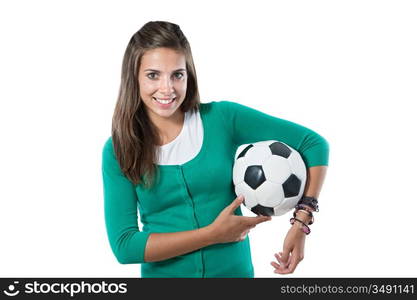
(280, 149)
(291, 186)
(242, 154)
(254, 176)
(262, 210)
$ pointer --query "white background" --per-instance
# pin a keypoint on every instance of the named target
(346, 69)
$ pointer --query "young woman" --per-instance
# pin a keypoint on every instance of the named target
(170, 157)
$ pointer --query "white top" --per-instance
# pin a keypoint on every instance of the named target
(186, 145)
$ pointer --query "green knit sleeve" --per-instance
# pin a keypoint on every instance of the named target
(120, 211)
(247, 125)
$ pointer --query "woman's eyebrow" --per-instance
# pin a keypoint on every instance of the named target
(154, 70)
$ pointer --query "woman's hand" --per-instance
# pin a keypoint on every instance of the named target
(293, 251)
(228, 227)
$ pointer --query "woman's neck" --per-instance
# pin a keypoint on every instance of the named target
(169, 128)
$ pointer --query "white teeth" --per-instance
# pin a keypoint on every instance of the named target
(164, 101)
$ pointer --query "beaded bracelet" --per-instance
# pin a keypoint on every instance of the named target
(304, 228)
(309, 213)
(304, 207)
(309, 201)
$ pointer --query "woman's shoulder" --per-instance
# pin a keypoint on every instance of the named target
(218, 105)
(222, 107)
(108, 147)
(108, 142)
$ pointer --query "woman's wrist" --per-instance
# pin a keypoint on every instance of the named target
(209, 234)
(303, 217)
(299, 225)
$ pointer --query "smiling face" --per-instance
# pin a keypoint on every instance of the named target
(163, 83)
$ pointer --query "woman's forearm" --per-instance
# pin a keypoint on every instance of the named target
(161, 246)
(315, 179)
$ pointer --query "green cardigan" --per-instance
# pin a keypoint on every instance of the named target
(191, 195)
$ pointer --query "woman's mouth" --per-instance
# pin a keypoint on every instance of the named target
(164, 103)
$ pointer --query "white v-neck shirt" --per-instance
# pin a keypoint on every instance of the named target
(186, 145)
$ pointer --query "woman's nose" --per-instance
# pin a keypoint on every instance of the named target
(166, 85)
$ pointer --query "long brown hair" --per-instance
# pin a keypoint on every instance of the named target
(135, 137)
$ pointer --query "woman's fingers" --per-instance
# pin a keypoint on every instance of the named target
(285, 255)
(275, 265)
(296, 258)
(283, 262)
(235, 204)
(290, 267)
(293, 265)
(244, 234)
(282, 267)
(253, 221)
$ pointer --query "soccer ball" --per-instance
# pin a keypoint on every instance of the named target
(270, 175)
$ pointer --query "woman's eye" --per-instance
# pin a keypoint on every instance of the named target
(179, 75)
(154, 75)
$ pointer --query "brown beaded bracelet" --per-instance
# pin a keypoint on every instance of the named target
(299, 207)
(309, 213)
(304, 228)
(312, 202)
(305, 207)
